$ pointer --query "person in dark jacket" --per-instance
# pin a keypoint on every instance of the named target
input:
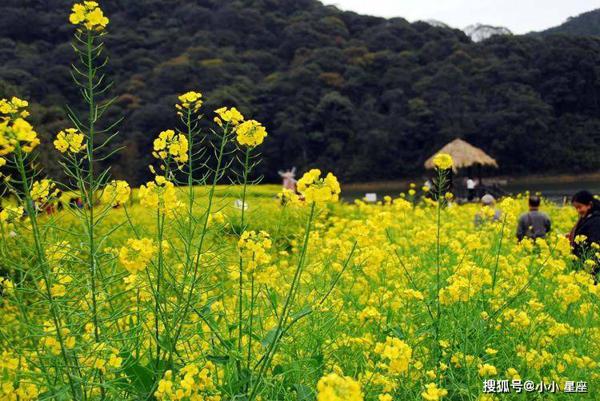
(534, 224)
(588, 226)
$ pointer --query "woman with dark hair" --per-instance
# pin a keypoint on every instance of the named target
(588, 225)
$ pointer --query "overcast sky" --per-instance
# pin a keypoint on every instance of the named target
(520, 16)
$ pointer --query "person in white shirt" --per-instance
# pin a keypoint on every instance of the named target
(470, 189)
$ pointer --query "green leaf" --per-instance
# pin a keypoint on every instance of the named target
(269, 338)
(273, 298)
(301, 313)
(304, 393)
(166, 343)
(218, 359)
(278, 370)
(141, 377)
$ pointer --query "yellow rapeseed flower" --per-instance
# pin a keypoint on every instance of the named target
(487, 370)
(254, 248)
(338, 388)
(43, 190)
(288, 197)
(11, 213)
(69, 140)
(116, 193)
(159, 194)
(231, 116)
(433, 392)
(17, 132)
(89, 15)
(14, 107)
(250, 133)
(136, 255)
(317, 189)
(173, 146)
(443, 161)
(190, 100)
(397, 353)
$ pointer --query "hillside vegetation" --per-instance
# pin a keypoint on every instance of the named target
(365, 97)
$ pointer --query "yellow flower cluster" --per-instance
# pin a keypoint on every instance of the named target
(14, 129)
(487, 371)
(22, 392)
(43, 190)
(464, 284)
(11, 213)
(254, 248)
(89, 15)
(193, 383)
(443, 161)
(69, 140)
(170, 145)
(136, 255)
(365, 299)
(581, 362)
(160, 194)
(230, 116)
(288, 197)
(116, 193)
(433, 392)
(338, 388)
(397, 353)
(56, 253)
(14, 107)
(190, 100)
(317, 189)
(567, 290)
(557, 310)
(50, 341)
(102, 357)
(250, 133)
(6, 287)
(516, 319)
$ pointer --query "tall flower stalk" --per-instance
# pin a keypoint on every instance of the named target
(17, 142)
(443, 164)
(316, 191)
(80, 144)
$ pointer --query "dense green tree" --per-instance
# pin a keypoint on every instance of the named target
(365, 97)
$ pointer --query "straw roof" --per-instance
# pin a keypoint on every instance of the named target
(464, 155)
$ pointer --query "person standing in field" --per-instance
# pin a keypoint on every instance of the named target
(533, 224)
(470, 189)
(488, 211)
(585, 236)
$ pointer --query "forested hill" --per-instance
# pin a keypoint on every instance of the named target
(365, 97)
(584, 24)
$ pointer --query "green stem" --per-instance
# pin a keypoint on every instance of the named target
(241, 264)
(200, 246)
(283, 317)
(159, 272)
(91, 181)
(45, 269)
(251, 318)
(498, 253)
(190, 177)
(441, 183)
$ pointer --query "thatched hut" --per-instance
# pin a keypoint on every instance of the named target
(464, 155)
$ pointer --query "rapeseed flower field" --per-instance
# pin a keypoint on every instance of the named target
(189, 289)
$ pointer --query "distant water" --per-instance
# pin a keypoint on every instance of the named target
(555, 191)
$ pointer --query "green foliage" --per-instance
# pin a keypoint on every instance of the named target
(584, 24)
(364, 97)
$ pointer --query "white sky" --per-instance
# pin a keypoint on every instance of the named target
(520, 16)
